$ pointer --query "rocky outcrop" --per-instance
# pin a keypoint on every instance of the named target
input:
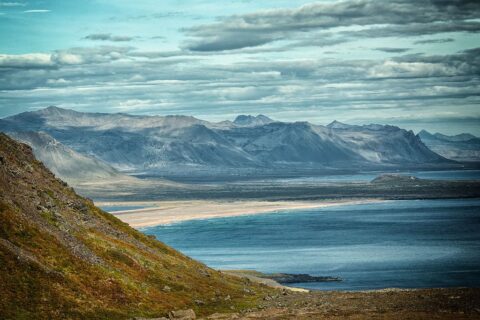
(188, 314)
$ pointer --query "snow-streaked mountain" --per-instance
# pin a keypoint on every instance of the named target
(461, 147)
(251, 121)
(65, 119)
(156, 144)
(339, 125)
(66, 163)
(383, 144)
(283, 143)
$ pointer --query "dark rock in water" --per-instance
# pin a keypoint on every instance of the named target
(285, 278)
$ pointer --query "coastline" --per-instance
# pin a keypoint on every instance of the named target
(167, 212)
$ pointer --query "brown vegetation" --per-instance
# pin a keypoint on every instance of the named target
(61, 257)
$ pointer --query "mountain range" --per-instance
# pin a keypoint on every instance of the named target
(462, 147)
(161, 145)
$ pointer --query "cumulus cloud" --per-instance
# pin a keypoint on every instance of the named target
(31, 60)
(59, 58)
(66, 58)
(108, 37)
(258, 28)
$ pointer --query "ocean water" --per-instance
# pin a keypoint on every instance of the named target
(369, 176)
(402, 244)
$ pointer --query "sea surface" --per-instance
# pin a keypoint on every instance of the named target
(401, 244)
(369, 176)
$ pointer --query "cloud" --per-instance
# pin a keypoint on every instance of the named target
(60, 81)
(465, 63)
(273, 61)
(115, 78)
(59, 58)
(241, 40)
(32, 60)
(12, 4)
(108, 37)
(415, 29)
(65, 58)
(396, 69)
(157, 16)
(37, 11)
(243, 93)
(259, 28)
(428, 41)
(393, 50)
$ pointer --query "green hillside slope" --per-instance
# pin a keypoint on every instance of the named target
(61, 257)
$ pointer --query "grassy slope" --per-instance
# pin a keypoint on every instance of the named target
(61, 257)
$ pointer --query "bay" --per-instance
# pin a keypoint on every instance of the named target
(401, 244)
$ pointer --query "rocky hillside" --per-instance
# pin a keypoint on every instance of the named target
(63, 258)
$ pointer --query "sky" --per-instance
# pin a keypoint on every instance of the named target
(414, 64)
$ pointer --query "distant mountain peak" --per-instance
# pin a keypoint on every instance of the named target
(338, 125)
(424, 134)
(461, 147)
(455, 138)
(55, 109)
(250, 121)
(462, 137)
(423, 131)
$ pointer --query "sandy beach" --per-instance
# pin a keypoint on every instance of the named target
(167, 212)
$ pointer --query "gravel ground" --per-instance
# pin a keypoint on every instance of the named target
(452, 304)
